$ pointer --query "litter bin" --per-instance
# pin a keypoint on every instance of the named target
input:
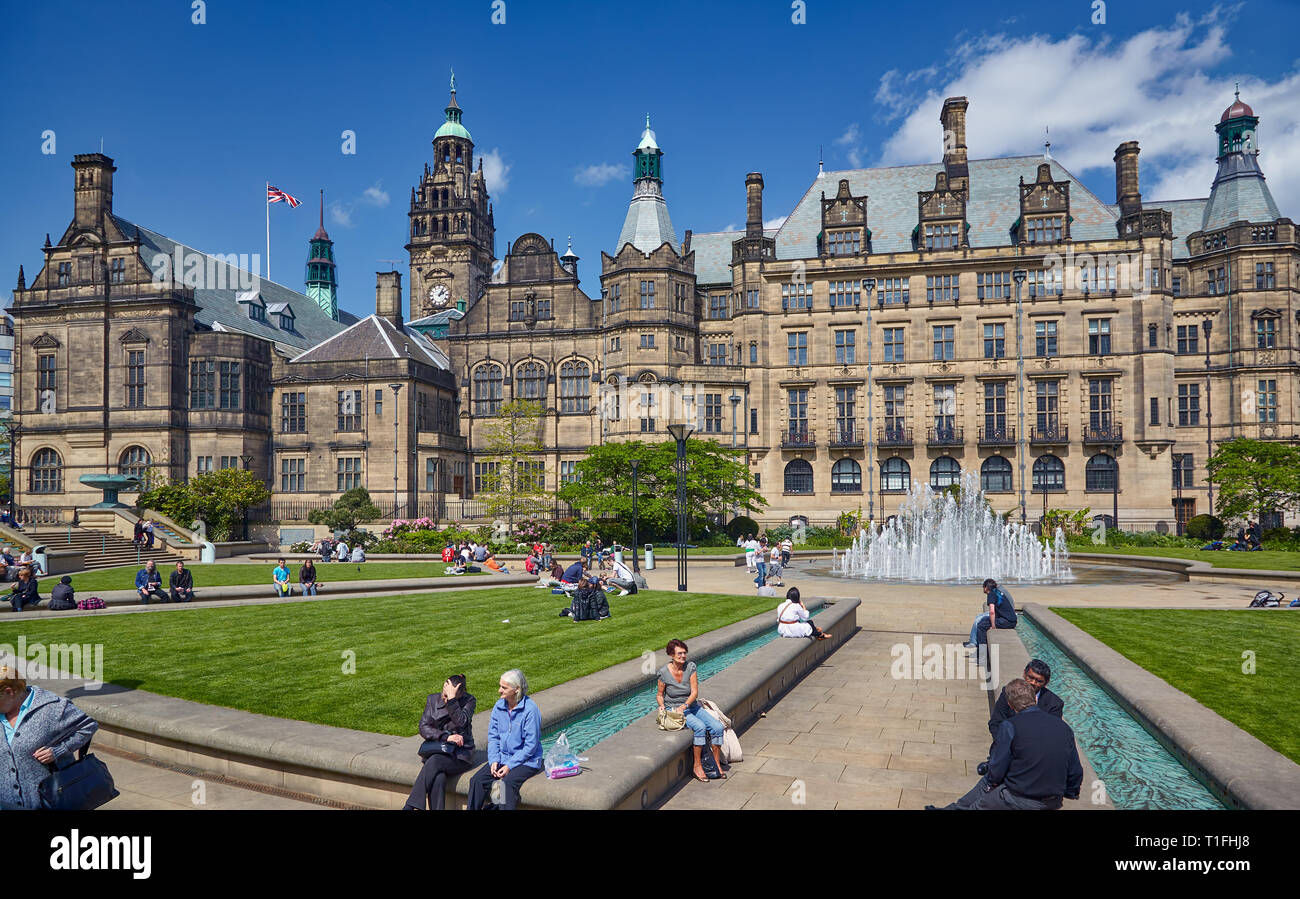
(41, 557)
(649, 557)
(208, 554)
(618, 554)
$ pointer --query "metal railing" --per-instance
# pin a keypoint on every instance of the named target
(1053, 434)
(945, 437)
(846, 435)
(894, 437)
(797, 439)
(1111, 433)
(1003, 436)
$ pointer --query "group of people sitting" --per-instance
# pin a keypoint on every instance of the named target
(471, 557)
(307, 583)
(148, 584)
(514, 751)
(338, 551)
(1249, 539)
(10, 566)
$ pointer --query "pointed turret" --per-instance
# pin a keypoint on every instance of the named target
(1239, 192)
(647, 226)
(322, 279)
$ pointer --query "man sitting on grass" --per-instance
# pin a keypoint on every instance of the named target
(148, 583)
(281, 578)
(622, 578)
(181, 584)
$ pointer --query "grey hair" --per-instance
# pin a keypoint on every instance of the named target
(515, 678)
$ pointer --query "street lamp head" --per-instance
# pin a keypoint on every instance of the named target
(396, 388)
(681, 432)
(735, 399)
(636, 463)
(1206, 326)
(1019, 274)
(868, 284)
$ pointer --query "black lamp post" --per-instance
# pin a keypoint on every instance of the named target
(636, 535)
(1206, 326)
(681, 433)
(1178, 486)
(1114, 487)
(11, 430)
(396, 388)
(1019, 276)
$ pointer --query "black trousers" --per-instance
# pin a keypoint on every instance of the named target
(480, 787)
(431, 784)
(178, 596)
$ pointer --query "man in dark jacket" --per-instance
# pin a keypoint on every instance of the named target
(61, 597)
(1000, 613)
(148, 583)
(449, 741)
(181, 584)
(1034, 763)
(1037, 674)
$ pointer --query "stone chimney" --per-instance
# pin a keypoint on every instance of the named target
(388, 297)
(93, 189)
(754, 205)
(1126, 178)
(953, 119)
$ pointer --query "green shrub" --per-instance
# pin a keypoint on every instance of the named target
(740, 526)
(1205, 527)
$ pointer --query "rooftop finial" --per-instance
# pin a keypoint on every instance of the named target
(453, 81)
(821, 163)
(1047, 142)
(647, 121)
(322, 209)
(570, 243)
(1236, 90)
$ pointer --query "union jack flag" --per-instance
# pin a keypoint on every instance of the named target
(275, 195)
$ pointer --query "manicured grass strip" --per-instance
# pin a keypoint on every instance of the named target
(234, 574)
(1201, 653)
(1266, 559)
(289, 660)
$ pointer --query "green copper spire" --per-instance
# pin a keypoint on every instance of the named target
(452, 127)
(648, 157)
(322, 281)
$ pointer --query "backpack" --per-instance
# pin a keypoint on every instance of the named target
(92, 603)
(1265, 599)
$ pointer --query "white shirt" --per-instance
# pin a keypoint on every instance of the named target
(622, 572)
(776, 554)
(358, 555)
(792, 620)
(342, 551)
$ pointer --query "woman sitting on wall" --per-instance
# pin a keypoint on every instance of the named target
(792, 618)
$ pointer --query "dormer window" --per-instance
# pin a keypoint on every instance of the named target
(65, 274)
(117, 271)
(1047, 229)
(256, 308)
(283, 315)
(257, 313)
(843, 243)
(943, 236)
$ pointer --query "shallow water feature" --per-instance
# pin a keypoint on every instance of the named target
(606, 720)
(1138, 772)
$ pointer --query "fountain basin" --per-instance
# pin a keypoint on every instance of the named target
(111, 484)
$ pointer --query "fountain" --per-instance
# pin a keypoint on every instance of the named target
(942, 536)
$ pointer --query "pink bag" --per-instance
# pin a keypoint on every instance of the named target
(91, 603)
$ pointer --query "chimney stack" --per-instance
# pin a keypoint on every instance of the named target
(1126, 178)
(953, 119)
(388, 297)
(754, 205)
(93, 189)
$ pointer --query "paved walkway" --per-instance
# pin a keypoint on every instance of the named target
(849, 735)
(148, 785)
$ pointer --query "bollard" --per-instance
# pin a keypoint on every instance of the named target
(649, 557)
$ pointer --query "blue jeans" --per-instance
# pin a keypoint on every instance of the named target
(282, 590)
(309, 589)
(762, 574)
(979, 633)
(701, 722)
(974, 628)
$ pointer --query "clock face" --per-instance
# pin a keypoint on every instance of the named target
(438, 295)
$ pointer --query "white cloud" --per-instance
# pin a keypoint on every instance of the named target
(495, 171)
(341, 214)
(773, 224)
(850, 140)
(600, 174)
(375, 195)
(1094, 94)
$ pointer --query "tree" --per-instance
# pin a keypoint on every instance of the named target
(218, 498)
(349, 510)
(1254, 477)
(717, 480)
(513, 486)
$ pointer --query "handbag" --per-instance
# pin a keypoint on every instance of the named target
(84, 785)
(669, 719)
(434, 747)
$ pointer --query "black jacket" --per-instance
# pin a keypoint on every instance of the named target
(26, 592)
(1034, 755)
(1047, 701)
(184, 578)
(442, 719)
(61, 598)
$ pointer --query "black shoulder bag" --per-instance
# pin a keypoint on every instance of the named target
(84, 785)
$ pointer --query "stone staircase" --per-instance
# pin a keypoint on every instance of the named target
(102, 550)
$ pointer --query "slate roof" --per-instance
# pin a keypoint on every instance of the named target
(993, 207)
(376, 338)
(647, 226)
(712, 251)
(311, 323)
(1239, 194)
(1187, 216)
(441, 317)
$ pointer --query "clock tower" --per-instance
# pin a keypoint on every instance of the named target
(452, 236)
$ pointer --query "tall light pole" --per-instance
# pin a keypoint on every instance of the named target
(1206, 327)
(396, 388)
(636, 534)
(735, 405)
(1019, 276)
(681, 433)
(868, 285)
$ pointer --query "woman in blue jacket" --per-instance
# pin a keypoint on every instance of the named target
(514, 744)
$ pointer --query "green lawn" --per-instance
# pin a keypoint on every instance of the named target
(287, 660)
(1200, 653)
(1269, 559)
(233, 574)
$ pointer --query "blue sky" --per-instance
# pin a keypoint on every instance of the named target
(199, 116)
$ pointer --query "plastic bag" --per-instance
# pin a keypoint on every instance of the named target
(561, 760)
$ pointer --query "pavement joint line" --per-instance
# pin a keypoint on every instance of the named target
(226, 780)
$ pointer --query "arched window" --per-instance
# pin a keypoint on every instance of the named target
(1049, 474)
(134, 460)
(798, 477)
(944, 472)
(995, 475)
(846, 477)
(487, 389)
(1101, 473)
(530, 382)
(575, 386)
(46, 472)
(895, 476)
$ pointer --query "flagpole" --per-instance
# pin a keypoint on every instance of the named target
(267, 199)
